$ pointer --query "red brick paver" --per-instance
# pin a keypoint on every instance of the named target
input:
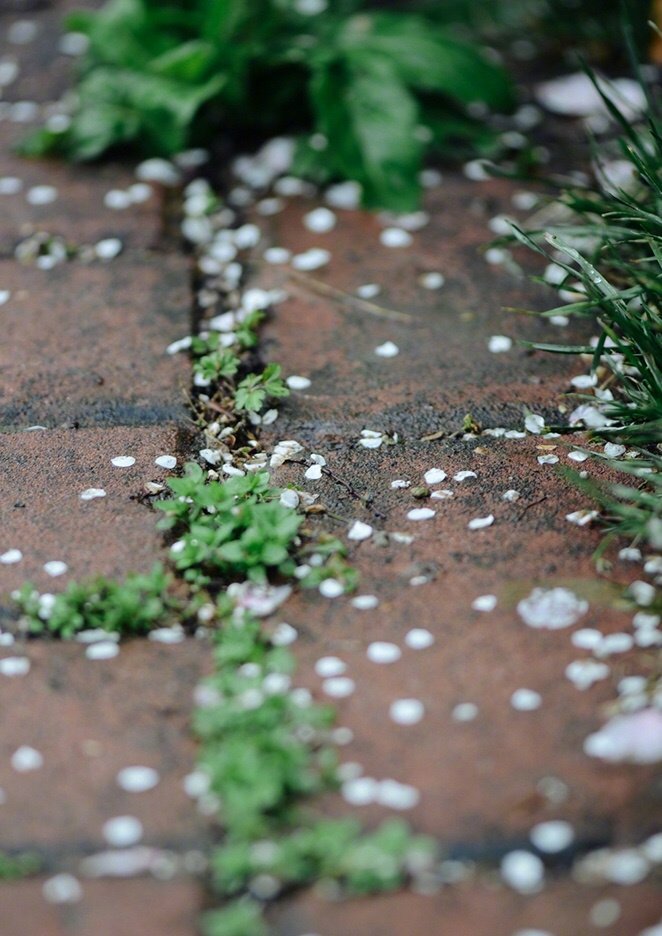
(108, 908)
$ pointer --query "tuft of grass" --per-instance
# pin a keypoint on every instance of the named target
(609, 253)
(353, 85)
(633, 511)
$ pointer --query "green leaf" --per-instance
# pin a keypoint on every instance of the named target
(240, 918)
(370, 120)
(429, 60)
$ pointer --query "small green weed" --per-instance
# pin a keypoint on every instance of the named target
(230, 529)
(609, 252)
(130, 607)
(255, 389)
(632, 511)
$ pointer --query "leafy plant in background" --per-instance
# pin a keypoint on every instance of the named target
(609, 253)
(367, 92)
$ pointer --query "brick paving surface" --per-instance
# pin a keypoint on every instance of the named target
(88, 720)
(85, 357)
(474, 910)
(109, 908)
(85, 344)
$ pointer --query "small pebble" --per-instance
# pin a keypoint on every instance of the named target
(123, 831)
(166, 461)
(418, 638)
(137, 779)
(123, 461)
(26, 759)
(525, 700)
(406, 711)
(387, 350)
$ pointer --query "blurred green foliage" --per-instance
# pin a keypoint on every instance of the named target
(377, 88)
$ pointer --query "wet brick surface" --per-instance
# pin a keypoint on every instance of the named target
(86, 344)
(86, 347)
(108, 908)
(482, 782)
(88, 719)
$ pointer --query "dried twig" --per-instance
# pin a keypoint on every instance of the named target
(325, 289)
